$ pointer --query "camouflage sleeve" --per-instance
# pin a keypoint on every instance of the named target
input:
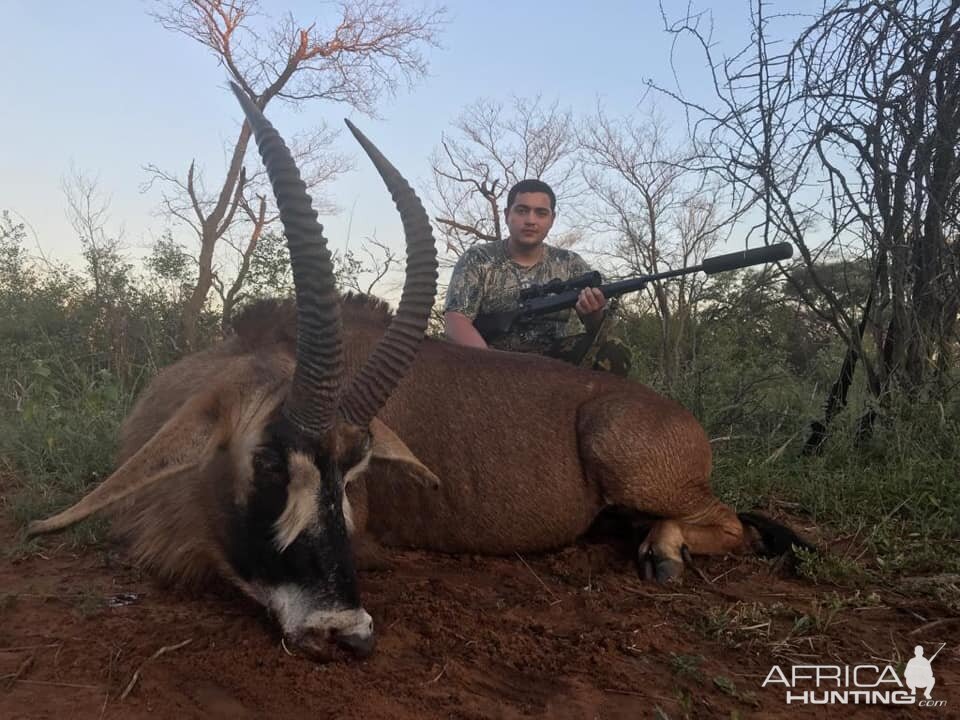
(464, 293)
(578, 266)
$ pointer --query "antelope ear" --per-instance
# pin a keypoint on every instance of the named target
(179, 446)
(388, 447)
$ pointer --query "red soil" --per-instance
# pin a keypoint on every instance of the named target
(573, 634)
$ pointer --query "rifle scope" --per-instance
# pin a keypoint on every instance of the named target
(557, 286)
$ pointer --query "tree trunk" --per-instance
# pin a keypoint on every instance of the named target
(190, 322)
(212, 228)
(837, 399)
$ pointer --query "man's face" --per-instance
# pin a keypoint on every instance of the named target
(530, 218)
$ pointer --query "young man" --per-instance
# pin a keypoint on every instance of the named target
(489, 277)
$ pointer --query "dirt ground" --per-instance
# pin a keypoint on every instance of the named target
(573, 634)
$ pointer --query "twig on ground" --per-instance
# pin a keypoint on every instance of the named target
(158, 653)
(439, 675)
(933, 624)
(723, 574)
(545, 586)
(688, 561)
(457, 635)
(106, 695)
(915, 614)
(656, 596)
(24, 666)
(632, 693)
(29, 647)
(722, 593)
(58, 684)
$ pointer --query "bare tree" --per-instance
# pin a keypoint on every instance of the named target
(651, 215)
(88, 212)
(229, 297)
(376, 262)
(264, 265)
(493, 147)
(845, 141)
(371, 46)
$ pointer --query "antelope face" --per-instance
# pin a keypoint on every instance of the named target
(289, 544)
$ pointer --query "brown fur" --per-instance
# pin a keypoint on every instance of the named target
(529, 451)
(176, 528)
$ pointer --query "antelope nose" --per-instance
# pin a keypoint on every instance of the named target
(360, 644)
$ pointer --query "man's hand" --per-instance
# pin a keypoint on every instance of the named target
(589, 307)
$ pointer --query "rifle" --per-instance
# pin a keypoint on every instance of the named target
(559, 294)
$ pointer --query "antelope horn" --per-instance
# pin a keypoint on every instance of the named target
(395, 351)
(311, 404)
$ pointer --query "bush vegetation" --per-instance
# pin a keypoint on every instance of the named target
(753, 368)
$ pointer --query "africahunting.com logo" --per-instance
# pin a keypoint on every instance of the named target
(864, 684)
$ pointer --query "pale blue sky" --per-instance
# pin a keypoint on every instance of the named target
(102, 86)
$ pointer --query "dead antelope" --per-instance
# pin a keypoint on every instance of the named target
(233, 460)
(528, 451)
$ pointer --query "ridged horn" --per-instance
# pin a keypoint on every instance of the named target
(395, 351)
(311, 405)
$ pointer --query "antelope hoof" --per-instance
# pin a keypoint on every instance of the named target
(659, 568)
(646, 563)
(668, 570)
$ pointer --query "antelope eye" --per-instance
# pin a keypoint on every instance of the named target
(269, 460)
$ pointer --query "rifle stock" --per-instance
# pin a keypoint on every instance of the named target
(493, 325)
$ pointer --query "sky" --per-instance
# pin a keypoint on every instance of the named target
(103, 88)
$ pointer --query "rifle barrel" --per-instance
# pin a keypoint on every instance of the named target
(744, 258)
(719, 263)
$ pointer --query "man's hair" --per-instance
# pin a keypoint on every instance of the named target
(532, 185)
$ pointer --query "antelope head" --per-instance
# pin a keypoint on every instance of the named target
(249, 472)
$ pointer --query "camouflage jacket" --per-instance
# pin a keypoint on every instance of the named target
(486, 280)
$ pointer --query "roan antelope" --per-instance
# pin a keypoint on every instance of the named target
(528, 452)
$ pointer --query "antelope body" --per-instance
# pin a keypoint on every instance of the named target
(520, 453)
